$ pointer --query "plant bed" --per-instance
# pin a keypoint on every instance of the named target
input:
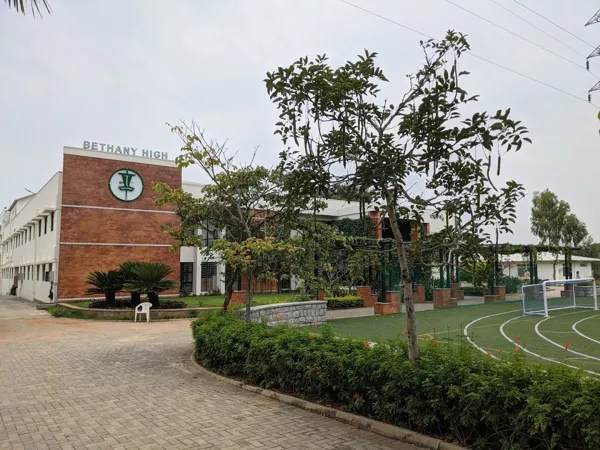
(451, 392)
(77, 312)
(348, 301)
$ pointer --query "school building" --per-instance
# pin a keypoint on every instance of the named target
(99, 211)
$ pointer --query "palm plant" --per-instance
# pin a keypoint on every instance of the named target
(125, 268)
(106, 283)
(35, 5)
(149, 278)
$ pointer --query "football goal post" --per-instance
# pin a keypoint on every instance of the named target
(553, 295)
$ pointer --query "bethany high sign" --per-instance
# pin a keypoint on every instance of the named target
(134, 151)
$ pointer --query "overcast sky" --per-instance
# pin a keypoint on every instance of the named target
(116, 71)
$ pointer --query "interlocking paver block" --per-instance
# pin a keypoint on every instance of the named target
(74, 384)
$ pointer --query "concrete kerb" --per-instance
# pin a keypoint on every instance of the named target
(181, 313)
(360, 422)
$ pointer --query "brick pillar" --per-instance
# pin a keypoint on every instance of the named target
(377, 223)
(321, 295)
(456, 291)
(500, 291)
(391, 305)
(442, 299)
(490, 298)
(238, 298)
(367, 295)
(419, 293)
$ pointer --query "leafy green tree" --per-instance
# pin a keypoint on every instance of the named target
(241, 202)
(36, 6)
(257, 259)
(418, 152)
(151, 279)
(554, 224)
(105, 283)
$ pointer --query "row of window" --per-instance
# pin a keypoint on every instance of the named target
(43, 226)
(36, 272)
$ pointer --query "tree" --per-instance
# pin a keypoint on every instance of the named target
(150, 278)
(105, 283)
(257, 259)
(415, 153)
(126, 269)
(34, 5)
(554, 224)
(242, 202)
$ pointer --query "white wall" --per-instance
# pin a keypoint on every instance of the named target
(35, 249)
(546, 269)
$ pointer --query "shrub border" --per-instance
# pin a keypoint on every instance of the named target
(360, 422)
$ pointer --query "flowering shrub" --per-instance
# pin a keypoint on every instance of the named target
(452, 392)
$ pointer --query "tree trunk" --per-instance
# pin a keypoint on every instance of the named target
(153, 298)
(231, 276)
(136, 299)
(110, 298)
(249, 288)
(411, 324)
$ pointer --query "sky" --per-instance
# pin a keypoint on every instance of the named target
(118, 71)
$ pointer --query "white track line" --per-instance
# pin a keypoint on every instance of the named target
(535, 354)
(574, 327)
(466, 330)
(537, 331)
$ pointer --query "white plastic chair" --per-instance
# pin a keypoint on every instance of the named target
(143, 308)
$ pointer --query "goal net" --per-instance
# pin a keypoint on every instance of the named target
(552, 295)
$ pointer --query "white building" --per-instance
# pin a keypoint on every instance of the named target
(518, 266)
(29, 241)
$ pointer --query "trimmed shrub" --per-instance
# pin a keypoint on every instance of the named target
(451, 392)
(127, 304)
(172, 304)
(474, 291)
(348, 301)
(513, 284)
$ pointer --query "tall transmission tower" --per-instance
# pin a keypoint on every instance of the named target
(595, 19)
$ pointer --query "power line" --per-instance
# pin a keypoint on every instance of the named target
(517, 35)
(387, 19)
(538, 28)
(553, 23)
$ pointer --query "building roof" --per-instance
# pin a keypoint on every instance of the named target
(544, 257)
(12, 205)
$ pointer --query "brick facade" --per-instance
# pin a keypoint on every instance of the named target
(95, 237)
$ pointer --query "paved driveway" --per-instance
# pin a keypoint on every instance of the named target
(75, 384)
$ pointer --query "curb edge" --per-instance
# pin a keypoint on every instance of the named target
(360, 422)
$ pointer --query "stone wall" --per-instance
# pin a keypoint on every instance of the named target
(298, 313)
(584, 291)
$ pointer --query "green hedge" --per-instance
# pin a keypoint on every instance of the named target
(473, 291)
(452, 392)
(348, 301)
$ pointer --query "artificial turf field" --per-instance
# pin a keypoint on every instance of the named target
(497, 328)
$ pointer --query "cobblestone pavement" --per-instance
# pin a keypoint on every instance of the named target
(75, 384)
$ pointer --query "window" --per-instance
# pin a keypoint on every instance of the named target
(38, 273)
(187, 277)
(45, 224)
(208, 279)
(583, 265)
(28, 272)
(52, 221)
(47, 274)
(39, 227)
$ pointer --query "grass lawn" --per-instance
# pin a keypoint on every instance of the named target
(257, 299)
